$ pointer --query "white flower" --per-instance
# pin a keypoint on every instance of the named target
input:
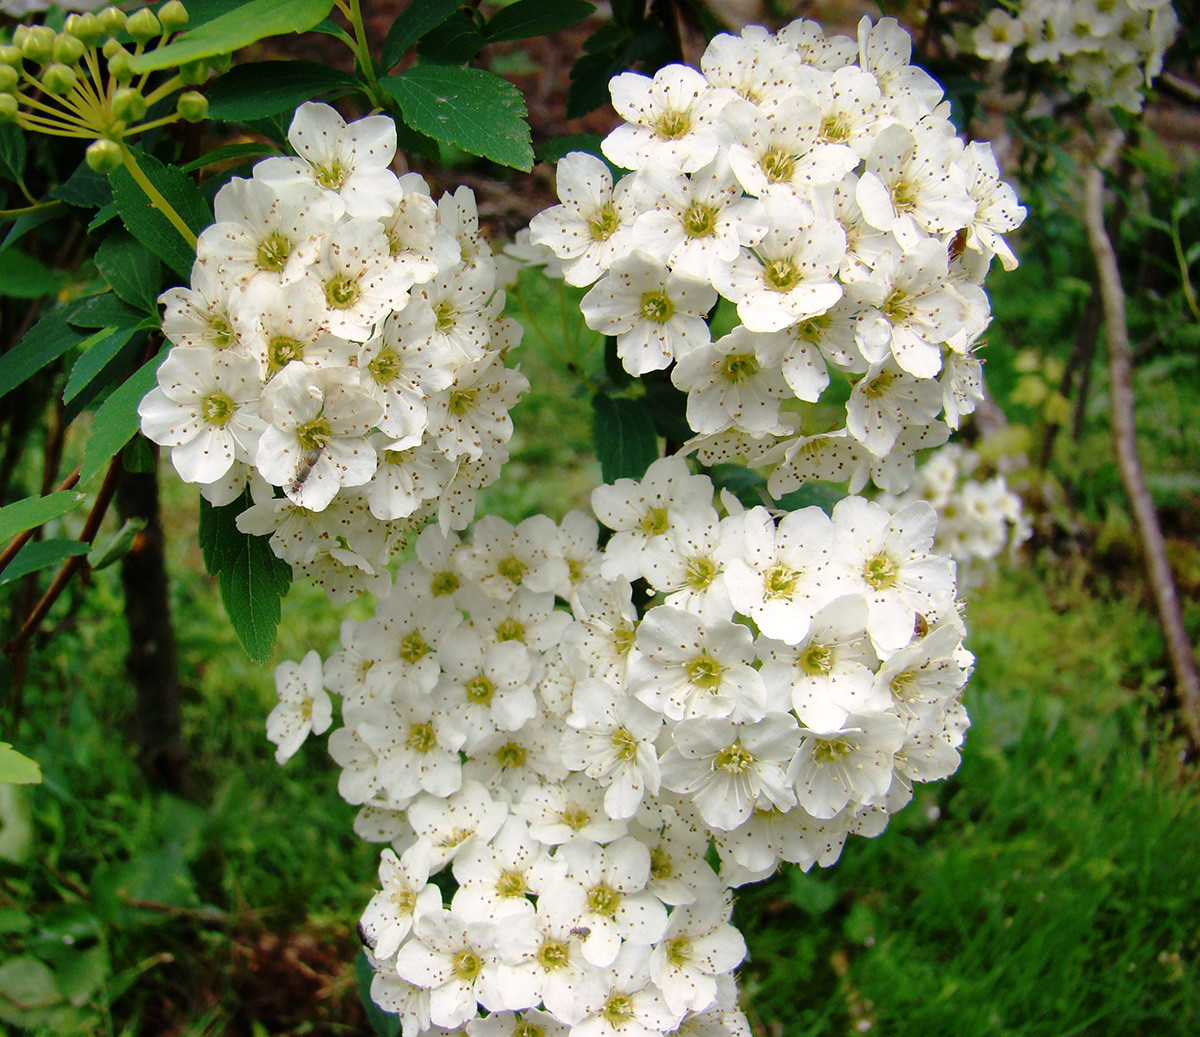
(667, 120)
(303, 706)
(851, 764)
(698, 946)
(404, 897)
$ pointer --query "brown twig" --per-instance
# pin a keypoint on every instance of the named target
(16, 647)
(214, 914)
(1121, 402)
(21, 539)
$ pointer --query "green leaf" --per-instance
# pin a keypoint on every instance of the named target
(132, 271)
(383, 1024)
(45, 342)
(117, 546)
(117, 419)
(455, 42)
(553, 149)
(16, 769)
(40, 554)
(138, 457)
(528, 18)
(36, 511)
(103, 216)
(23, 277)
(151, 227)
(418, 18)
(105, 310)
(84, 189)
(626, 442)
(26, 222)
(252, 149)
(100, 350)
(12, 151)
(236, 29)
(252, 579)
(469, 108)
(26, 983)
(269, 87)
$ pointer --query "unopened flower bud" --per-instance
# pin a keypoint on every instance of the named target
(84, 27)
(59, 79)
(20, 35)
(173, 16)
(143, 25)
(193, 73)
(8, 108)
(68, 49)
(10, 55)
(112, 20)
(120, 65)
(192, 106)
(9, 78)
(38, 45)
(104, 155)
(129, 105)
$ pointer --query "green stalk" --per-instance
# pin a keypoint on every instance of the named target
(156, 198)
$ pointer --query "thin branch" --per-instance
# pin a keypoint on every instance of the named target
(21, 539)
(1158, 568)
(16, 647)
(1180, 89)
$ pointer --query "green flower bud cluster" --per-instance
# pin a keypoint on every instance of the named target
(80, 82)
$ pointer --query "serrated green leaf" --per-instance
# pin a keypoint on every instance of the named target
(100, 350)
(36, 511)
(527, 18)
(469, 108)
(26, 222)
(12, 151)
(418, 18)
(236, 29)
(40, 554)
(150, 226)
(23, 277)
(117, 546)
(383, 1024)
(131, 271)
(138, 457)
(455, 42)
(117, 419)
(45, 342)
(103, 216)
(252, 579)
(269, 87)
(104, 310)
(16, 769)
(626, 443)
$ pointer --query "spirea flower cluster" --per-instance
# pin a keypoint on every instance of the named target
(1107, 49)
(813, 190)
(978, 518)
(510, 717)
(341, 343)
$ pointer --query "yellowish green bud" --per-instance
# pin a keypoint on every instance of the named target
(103, 155)
(9, 78)
(8, 108)
(59, 79)
(173, 16)
(129, 105)
(10, 55)
(68, 49)
(38, 45)
(193, 73)
(120, 65)
(84, 27)
(111, 47)
(143, 25)
(192, 106)
(20, 35)
(112, 20)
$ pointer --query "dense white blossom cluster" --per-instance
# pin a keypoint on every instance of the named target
(811, 189)
(1107, 49)
(978, 518)
(510, 716)
(341, 342)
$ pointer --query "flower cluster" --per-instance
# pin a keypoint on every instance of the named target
(812, 190)
(978, 518)
(508, 715)
(1108, 50)
(341, 342)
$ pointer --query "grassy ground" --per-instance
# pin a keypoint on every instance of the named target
(1048, 888)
